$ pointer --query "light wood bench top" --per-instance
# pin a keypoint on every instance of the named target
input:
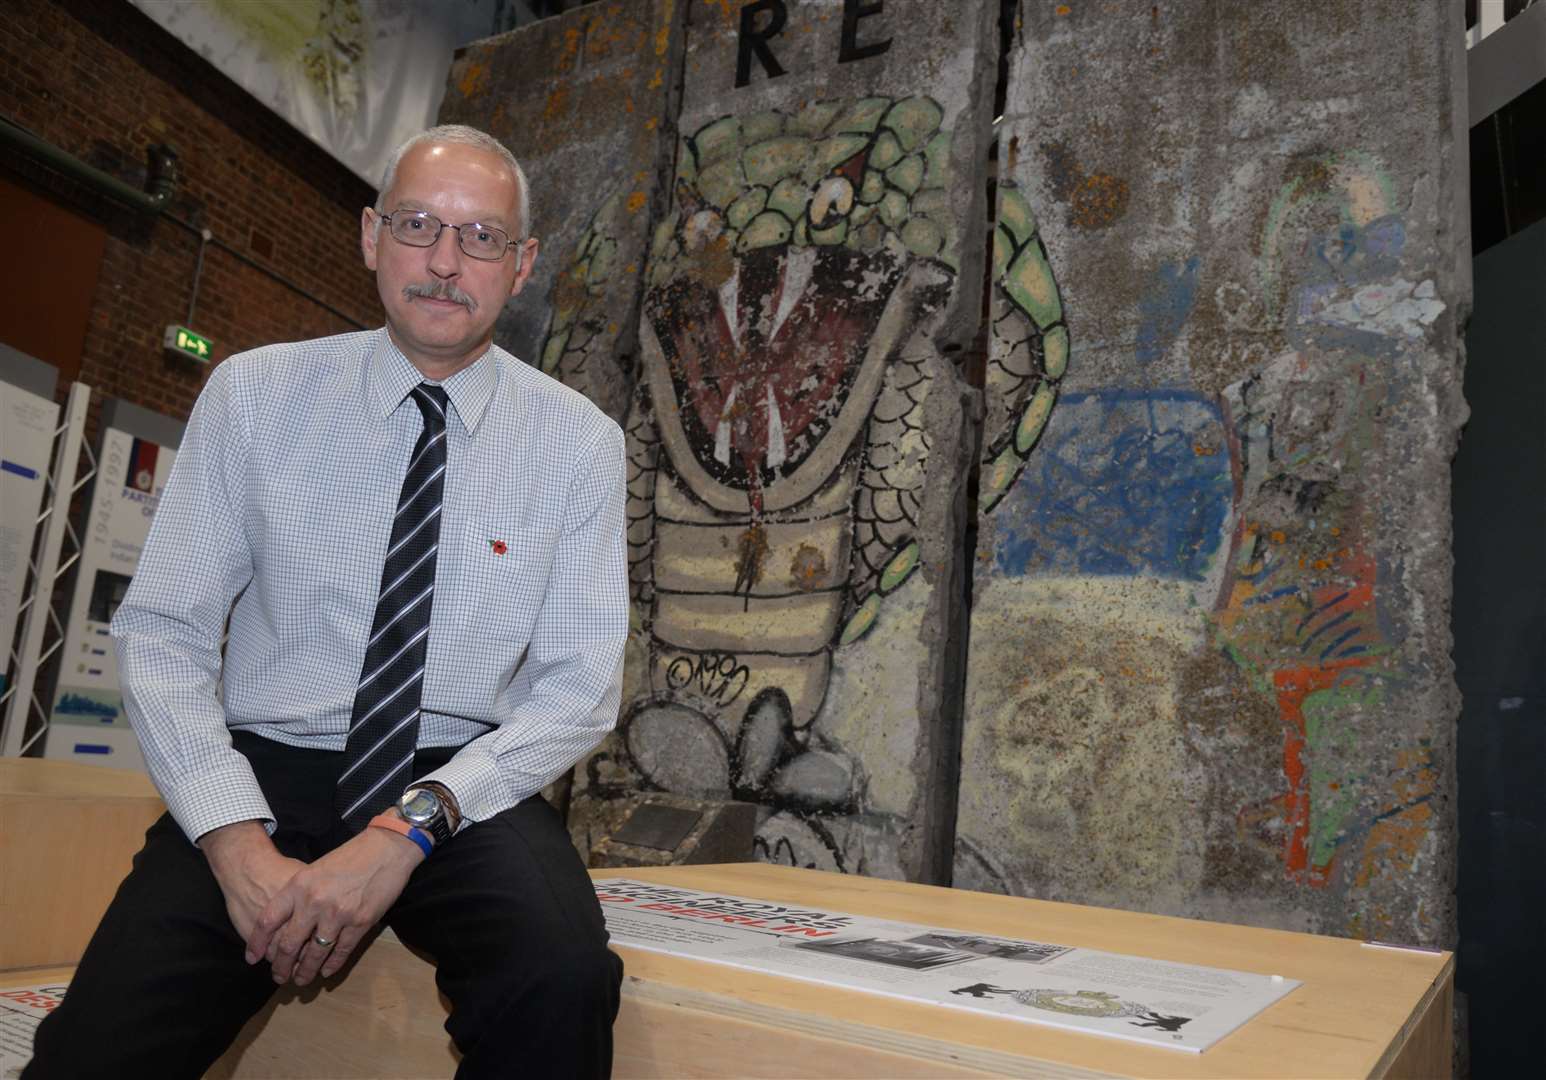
(69, 779)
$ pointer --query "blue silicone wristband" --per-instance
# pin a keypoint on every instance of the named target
(420, 837)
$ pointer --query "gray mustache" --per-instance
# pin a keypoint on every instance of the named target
(441, 290)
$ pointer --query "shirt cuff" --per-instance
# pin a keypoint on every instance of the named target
(203, 802)
(472, 777)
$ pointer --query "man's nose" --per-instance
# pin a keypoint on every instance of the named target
(445, 254)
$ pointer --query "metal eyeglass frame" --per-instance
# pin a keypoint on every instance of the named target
(461, 241)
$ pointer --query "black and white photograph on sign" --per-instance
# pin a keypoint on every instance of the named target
(107, 592)
(1093, 1003)
(903, 954)
(1026, 952)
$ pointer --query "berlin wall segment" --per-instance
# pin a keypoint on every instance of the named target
(1209, 666)
(797, 435)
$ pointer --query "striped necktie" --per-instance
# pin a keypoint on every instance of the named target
(384, 727)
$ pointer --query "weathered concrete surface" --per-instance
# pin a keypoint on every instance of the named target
(1209, 669)
(799, 435)
(584, 101)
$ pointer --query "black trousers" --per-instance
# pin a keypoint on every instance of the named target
(505, 908)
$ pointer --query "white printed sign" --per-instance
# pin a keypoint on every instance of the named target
(1156, 1002)
(87, 723)
(22, 1009)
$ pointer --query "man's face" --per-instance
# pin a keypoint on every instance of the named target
(445, 331)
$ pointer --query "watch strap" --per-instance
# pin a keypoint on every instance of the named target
(389, 820)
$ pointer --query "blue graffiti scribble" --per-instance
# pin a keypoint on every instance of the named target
(1167, 301)
(1124, 483)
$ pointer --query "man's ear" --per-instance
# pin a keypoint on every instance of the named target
(368, 231)
(528, 250)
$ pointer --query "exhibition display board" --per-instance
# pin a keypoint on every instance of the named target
(87, 723)
(28, 416)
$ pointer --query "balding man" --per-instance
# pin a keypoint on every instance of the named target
(418, 544)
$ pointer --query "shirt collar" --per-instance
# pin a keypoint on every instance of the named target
(393, 376)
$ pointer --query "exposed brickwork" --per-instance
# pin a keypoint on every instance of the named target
(100, 80)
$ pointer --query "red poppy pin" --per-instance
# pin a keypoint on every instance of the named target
(498, 546)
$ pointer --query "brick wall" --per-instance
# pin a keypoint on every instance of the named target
(101, 81)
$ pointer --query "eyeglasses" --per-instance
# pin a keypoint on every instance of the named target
(419, 229)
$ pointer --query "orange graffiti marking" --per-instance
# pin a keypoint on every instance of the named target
(1394, 839)
(1293, 686)
(728, 10)
(473, 80)
(557, 101)
(1266, 630)
(663, 35)
(571, 50)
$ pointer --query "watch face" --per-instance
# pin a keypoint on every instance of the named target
(419, 806)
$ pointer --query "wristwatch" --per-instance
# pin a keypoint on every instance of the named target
(422, 808)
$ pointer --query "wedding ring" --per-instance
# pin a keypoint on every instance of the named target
(325, 942)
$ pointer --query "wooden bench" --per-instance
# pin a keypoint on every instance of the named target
(1360, 1012)
(67, 835)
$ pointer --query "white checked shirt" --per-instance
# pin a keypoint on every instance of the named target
(281, 501)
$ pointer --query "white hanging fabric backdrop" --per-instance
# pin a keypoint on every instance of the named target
(356, 76)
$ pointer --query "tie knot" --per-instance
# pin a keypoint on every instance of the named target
(431, 401)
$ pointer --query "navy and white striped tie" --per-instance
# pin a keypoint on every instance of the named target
(384, 727)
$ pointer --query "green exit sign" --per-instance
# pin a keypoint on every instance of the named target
(182, 340)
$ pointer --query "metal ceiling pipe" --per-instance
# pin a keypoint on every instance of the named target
(160, 184)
